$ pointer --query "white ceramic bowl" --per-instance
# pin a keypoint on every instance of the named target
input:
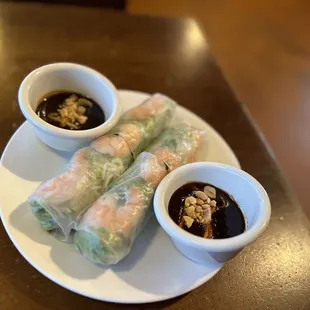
(75, 78)
(248, 193)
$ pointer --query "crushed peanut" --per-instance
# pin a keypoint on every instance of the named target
(200, 207)
(188, 221)
(210, 191)
(81, 109)
(190, 211)
(190, 201)
(199, 201)
(213, 203)
(72, 112)
(201, 195)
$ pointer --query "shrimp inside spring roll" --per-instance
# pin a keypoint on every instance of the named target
(110, 226)
(60, 202)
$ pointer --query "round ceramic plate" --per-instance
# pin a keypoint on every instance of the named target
(153, 271)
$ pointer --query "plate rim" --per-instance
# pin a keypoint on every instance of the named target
(149, 299)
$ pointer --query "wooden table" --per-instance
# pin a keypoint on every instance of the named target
(171, 56)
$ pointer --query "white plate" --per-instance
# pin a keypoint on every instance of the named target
(153, 271)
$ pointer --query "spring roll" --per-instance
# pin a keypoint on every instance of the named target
(140, 125)
(60, 202)
(178, 145)
(110, 226)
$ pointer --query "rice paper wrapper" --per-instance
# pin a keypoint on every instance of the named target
(140, 125)
(60, 202)
(109, 227)
(179, 145)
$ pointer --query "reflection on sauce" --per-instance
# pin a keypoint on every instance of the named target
(227, 219)
(70, 110)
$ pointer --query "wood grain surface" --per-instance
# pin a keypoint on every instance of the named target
(153, 54)
(263, 49)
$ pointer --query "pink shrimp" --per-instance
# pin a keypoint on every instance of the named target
(130, 215)
(151, 107)
(107, 212)
(99, 214)
(132, 134)
(112, 145)
(153, 171)
(104, 213)
(170, 158)
(64, 184)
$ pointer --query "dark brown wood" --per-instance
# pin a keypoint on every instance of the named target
(151, 55)
(111, 4)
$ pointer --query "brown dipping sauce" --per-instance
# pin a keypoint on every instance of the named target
(226, 218)
(69, 110)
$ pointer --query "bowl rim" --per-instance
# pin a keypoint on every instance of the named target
(36, 121)
(216, 245)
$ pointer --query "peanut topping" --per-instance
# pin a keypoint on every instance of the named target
(200, 208)
(210, 191)
(201, 195)
(188, 221)
(190, 201)
(72, 112)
